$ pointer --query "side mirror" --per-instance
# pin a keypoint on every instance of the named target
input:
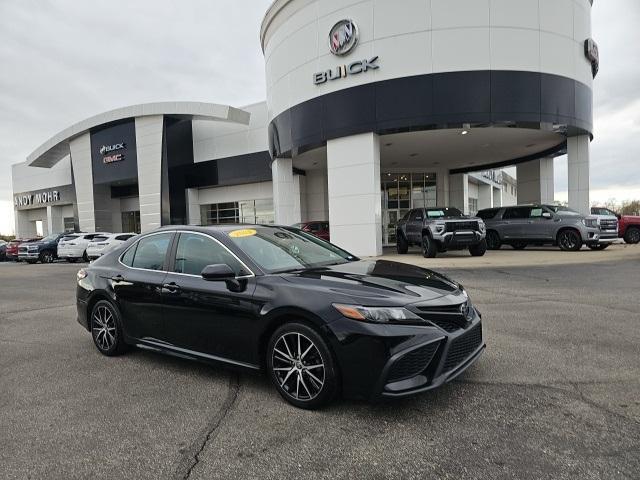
(547, 215)
(218, 272)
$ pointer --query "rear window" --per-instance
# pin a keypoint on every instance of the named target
(99, 238)
(124, 238)
(487, 214)
(70, 237)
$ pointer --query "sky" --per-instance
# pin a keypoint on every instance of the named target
(64, 61)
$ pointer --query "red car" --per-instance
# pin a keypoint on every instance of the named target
(12, 247)
(317, 228)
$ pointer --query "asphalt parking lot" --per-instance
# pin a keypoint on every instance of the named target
(556, 394)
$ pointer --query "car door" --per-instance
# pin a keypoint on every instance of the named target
(414, 226)
(208, 317)
(515, 222)
(539, 227)
(138, 286)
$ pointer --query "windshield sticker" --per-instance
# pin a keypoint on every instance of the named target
(246, 232)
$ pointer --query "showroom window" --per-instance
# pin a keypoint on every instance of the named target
(243, 211)
(473, 206)
(69, 224)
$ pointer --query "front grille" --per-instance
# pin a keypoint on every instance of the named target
(22, 249)
(447, 317)
(462, 347)
(457, 226)
(412, 363)
(608, 224)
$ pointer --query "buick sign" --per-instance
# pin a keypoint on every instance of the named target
(112, 148)
(343, 37)
(593, 55)
(107, 153)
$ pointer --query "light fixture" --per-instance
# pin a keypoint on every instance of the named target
(464, 132)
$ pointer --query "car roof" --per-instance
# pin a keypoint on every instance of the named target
(222, 228)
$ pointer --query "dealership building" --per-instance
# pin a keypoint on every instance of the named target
(373, 107)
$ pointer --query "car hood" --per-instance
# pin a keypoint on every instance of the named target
(377, 282)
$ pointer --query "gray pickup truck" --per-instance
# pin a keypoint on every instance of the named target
(440, 229)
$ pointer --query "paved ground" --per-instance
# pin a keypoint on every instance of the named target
(556, 395)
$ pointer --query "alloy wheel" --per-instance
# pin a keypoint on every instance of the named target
(568, 240)
(47, 257)
(104, 328)
(634, 235)
(298, 366)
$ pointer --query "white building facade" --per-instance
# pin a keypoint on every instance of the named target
(373, 107)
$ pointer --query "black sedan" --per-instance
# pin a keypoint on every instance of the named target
(320, 321)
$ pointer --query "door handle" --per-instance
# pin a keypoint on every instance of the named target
(172, 287)
(118, 278)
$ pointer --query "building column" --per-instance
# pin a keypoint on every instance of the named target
(535, 181)
(459, 192)
(149, 153)
(317, 200)
(24, 226)
(497, 196)
(193, 207)
(80, 149)
(355, 205)
(55, 220)
(286, 192)
(578, 165)
(442, 188)
(485, 196)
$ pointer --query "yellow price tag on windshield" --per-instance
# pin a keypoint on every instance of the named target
(247, 232)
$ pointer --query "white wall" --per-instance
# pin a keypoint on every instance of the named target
(414, 37)
(317, 197)
(26, 179)
(234, 193)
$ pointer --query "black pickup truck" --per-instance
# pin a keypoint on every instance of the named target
(44, 250)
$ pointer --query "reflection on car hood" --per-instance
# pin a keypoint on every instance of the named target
(373, 282)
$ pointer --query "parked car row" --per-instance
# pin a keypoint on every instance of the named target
(441, 229)
(628, 225)
(68, 246)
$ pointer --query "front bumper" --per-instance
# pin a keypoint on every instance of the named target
(391, 361)
(459, 239)
(23, 257)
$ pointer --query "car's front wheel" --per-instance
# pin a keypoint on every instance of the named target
(479, 249)
(569, 241)
(632, 235)
(106, 329)
(301, 366)
(493, 240)
(401, 244)
(429, 247)
(46, 257)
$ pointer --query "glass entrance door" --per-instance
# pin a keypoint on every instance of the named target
(400, 192)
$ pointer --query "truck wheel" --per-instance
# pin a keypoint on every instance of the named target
(72, 260)
(569, 241)
(85, 258)
(598, 246)
(429, 247)
(46, 257)
(493, 240)
(632, 235)
(478, 250)
(401, 244)
(519, 245)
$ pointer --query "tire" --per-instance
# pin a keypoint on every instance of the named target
(519, 245)
(72, 260)
(599, 246)
(301, 386)
(569, 240)
(429, 247)
(106, 329)
(47, 257)
(401, 244)
(85, 258)
(479, 249)
(632, 235)
(493, 240)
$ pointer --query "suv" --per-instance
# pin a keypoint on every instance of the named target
(12, 247)
(73, 246)
(440, 229)
(536, 224)
(628, 225)
(42, 250)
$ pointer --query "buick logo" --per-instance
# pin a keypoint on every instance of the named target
(593, 55)
(112, 148)
(343, 37)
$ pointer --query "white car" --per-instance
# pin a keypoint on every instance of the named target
(73, 247)
(105, 243)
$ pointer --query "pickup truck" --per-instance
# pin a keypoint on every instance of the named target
(628, 225)
(44, 250)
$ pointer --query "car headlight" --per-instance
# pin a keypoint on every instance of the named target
(82, 273)
(482, 226)
(590, 222)
(377, 314)
(438, 228)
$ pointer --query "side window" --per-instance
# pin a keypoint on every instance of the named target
(195, 252)
(535, 213)
(416, 216)
(487, 214)
(516, 213)
(127, 258)
(152, 251)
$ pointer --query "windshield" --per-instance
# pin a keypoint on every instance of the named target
(563, 210)
(281, 249)
(50, 238)
(443, 212)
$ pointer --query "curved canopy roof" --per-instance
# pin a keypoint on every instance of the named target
(57, 147)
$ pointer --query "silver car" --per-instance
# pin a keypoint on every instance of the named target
(523, 225)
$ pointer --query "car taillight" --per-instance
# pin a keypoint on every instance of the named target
(82, 273)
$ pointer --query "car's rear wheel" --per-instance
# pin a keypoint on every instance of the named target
(569, 241)
(106, 329)
(478, 250)
(632, 235)
(599, 246)
(301, 366)
(72, 260)
(85, 257)
(401, 244)
(429, 247)
(46, 257)
(519, 245)
(493, 240)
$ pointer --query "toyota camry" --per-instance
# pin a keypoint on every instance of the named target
(318, 320)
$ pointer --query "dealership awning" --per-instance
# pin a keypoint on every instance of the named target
(57, 147)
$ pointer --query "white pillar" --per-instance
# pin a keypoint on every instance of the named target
(485, 195)
(497, 196)
(442, 188)
(149, 153)
(578, 165)
(317, 200)
(286, 192)
(24, 227)
(55, 221)
(193, 207)
(459, 192)
(355, 205)
(535, 181)
(80, 149)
